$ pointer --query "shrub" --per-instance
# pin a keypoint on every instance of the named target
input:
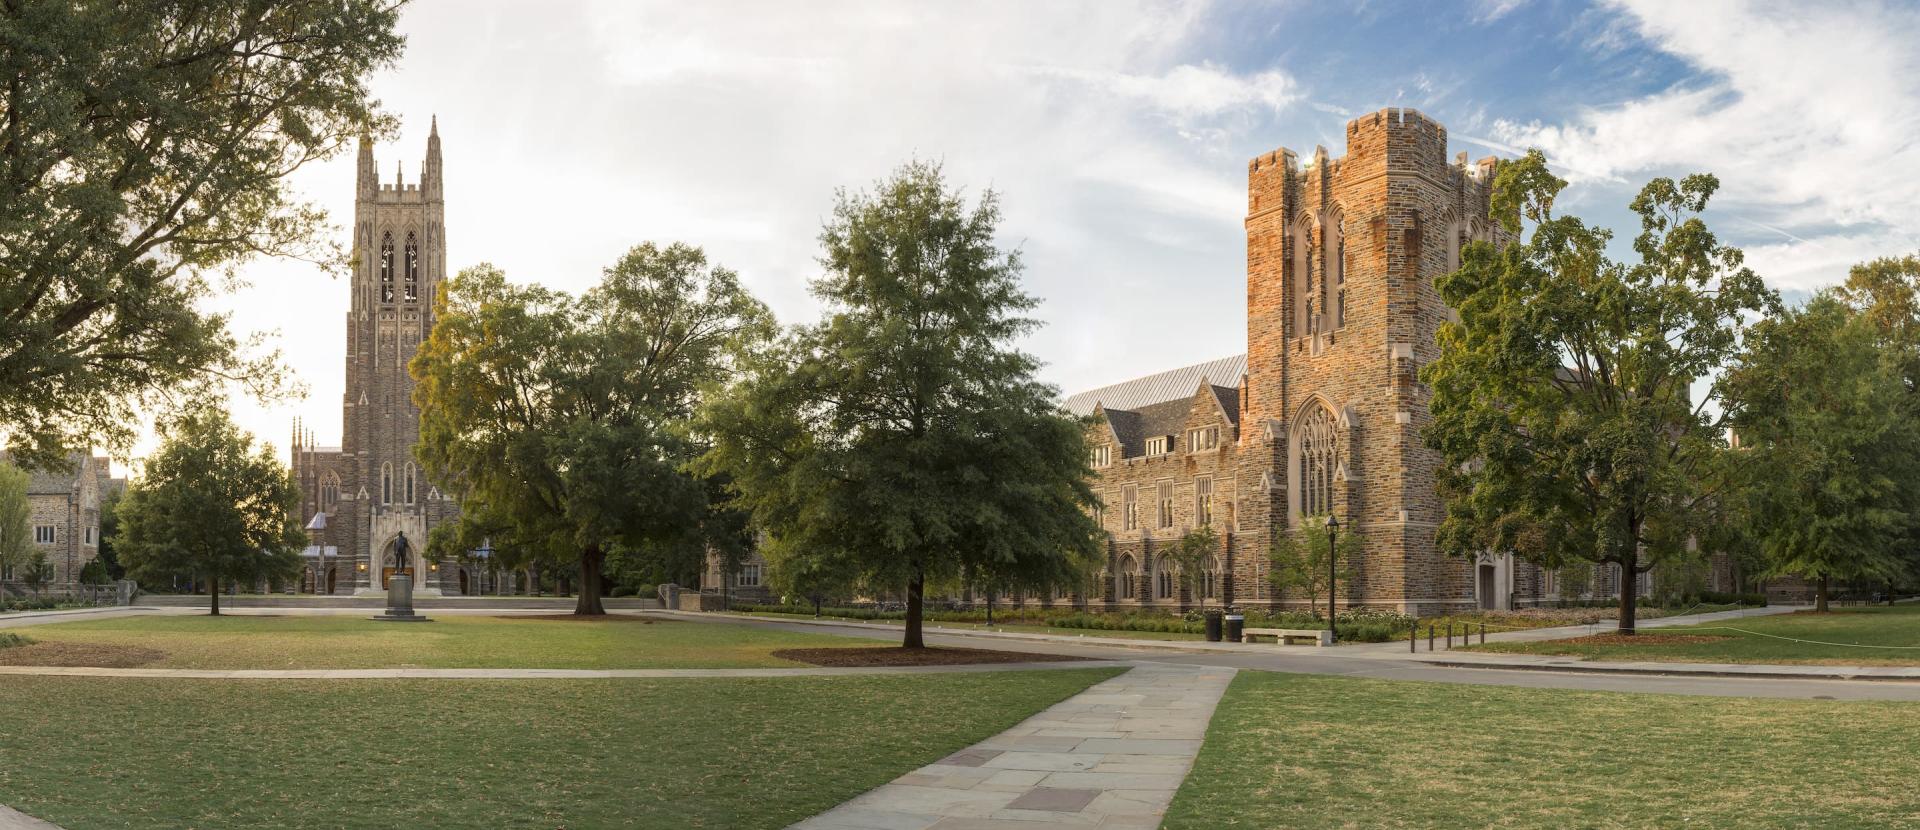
(9, 639)
(620, 591)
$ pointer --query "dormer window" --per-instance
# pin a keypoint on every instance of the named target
(1160, 445)
(1103, 455)
(1204, 438)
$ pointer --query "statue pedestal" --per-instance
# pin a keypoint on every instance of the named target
(400, 601)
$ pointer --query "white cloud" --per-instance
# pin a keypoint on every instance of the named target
(1807, 114)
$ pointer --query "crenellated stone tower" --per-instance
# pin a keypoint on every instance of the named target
(371, 488)
(1341, 314)
(1323, 413)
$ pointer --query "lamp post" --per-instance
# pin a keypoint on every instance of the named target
(1333, 535)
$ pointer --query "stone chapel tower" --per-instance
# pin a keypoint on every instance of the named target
(1341, 313)
(370, 488)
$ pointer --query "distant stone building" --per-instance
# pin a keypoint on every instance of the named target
(65, 507)
(370, 489)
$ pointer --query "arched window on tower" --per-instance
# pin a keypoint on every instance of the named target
(386, 483)
(329, 492)
(412, 270)
(409, 482)
(1340, 285)
(1316, 462)
(1331, 293)
(386, 268)
(1302, 233)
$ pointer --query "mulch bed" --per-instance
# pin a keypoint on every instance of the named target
(897, 656)
(87, 655)
(1647, 639)
(633, 618)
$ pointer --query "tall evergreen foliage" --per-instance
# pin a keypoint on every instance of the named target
(902, 440)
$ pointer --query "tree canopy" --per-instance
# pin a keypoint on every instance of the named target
(902, 439)
(145, 153)
(211, 505)
(1830, 439)
(560, 422)
(1576, 403)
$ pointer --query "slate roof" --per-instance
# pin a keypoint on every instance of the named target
(51, 482)
(1160, 388)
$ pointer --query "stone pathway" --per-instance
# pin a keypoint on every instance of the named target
(11, 819)
(533, 674)
(1110, 757)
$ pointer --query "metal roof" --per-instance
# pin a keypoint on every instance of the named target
(1166, 386)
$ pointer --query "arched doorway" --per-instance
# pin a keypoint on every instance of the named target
(463, 582)
(332, 574)
(1488, 601)
(391, 562)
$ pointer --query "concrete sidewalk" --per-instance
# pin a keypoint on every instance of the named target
(1110, 757)
(11, 819)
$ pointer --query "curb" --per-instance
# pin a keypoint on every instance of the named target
(1758, 673)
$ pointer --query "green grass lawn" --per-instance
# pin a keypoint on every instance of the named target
(722, 753)
(933, 627)
(450, 641)
(1302, 751)
(1849, 628)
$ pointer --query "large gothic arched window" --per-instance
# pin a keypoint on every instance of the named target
(1316, 462)
(409, 482)
(413, 268)
(386, 483)
(1302, 233)
(386, 268)
(1129, 577)
(1163, 578)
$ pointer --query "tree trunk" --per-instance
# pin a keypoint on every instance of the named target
(591, 559)
(916, 590)
(214, 586)
(1820, 595)
(1629, 592)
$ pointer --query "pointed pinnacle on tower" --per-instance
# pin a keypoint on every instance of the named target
(369, 180)
(430, 181)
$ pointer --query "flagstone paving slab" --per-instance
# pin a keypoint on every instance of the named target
(1108, 758)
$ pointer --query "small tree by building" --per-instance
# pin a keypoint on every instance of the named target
(1300, 560)
(213, 506)
(1193, 560)
(16, 521)
(38, 572)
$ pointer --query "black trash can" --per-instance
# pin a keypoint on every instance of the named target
(1213, 627)
(1235, 622)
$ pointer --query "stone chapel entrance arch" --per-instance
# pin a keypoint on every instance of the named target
(391, 562)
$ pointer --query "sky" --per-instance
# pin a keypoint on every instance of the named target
(1116, 132)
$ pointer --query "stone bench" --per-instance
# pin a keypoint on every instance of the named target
(1319, 636)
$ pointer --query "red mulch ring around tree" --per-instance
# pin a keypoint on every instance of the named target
(1646, 639)
(79, 655)
(897, 656)
(581, 618)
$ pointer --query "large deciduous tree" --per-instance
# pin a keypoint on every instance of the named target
(145, 150)
(561, 422)
(903, 440)
(212, 506)
(1576, 403)
(1829, 435)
